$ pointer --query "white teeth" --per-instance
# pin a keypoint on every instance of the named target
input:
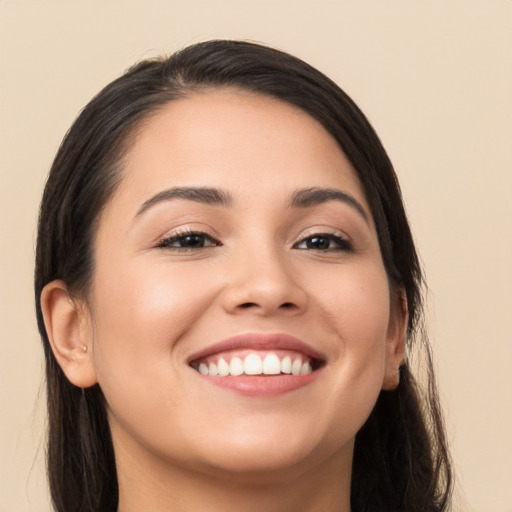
(223, 368)
(296, 366)
(236, 366)
(286, 364)
(271, 365)
(306, 368)
(253, 365)
(212, 369)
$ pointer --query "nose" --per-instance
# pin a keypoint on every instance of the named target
(263, 283)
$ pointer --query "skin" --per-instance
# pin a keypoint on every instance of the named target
(181, 443)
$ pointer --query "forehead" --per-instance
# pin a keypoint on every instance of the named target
(233, 139)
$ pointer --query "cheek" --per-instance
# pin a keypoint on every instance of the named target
(141, 313)
(149, 301)
(356, 303)
(356, 307)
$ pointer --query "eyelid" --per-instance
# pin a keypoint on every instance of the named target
(323, 229)
(165, 241)
(344, 241)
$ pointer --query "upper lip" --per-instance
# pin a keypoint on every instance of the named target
(258, 341)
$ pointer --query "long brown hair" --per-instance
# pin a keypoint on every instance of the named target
(401, 460)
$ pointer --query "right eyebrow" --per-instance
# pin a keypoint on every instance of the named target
(205, 195)
(307, 197)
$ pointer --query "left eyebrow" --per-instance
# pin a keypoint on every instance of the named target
(308, 197)
(205, 195)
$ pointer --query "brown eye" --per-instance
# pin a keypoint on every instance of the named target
(324, 242)
(188, 241)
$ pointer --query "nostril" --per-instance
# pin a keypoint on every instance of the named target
(246, 305)
(284, 305)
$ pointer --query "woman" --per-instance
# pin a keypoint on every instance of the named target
(226, 288)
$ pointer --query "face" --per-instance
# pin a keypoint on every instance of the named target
(239, 242)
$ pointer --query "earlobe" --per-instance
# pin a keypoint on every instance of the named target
(396, 340)
(70, 334)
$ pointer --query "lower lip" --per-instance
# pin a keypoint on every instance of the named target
(261, 385)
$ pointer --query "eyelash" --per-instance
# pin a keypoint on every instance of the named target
(181, 236)
(342, 244)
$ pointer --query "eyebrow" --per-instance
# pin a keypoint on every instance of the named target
(205, 195)
(308, 197)
(303, 198)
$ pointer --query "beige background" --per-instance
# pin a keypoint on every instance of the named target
(435, 78)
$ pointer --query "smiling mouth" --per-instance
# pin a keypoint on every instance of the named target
(258, 364)
(255, 363)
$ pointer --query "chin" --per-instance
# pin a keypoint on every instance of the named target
(260, 466)
(275, 455)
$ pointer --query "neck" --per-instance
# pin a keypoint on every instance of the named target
(146, 483)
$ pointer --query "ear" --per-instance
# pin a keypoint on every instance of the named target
(69, 330)
(396, 339)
